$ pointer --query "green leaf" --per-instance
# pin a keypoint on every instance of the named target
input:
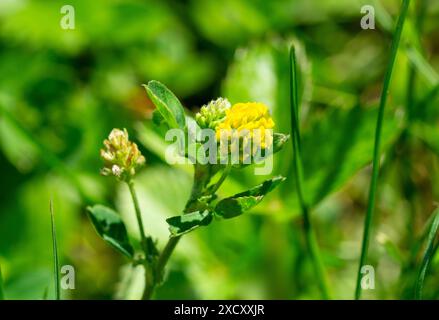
(167, 104)
(428, 255)
(239, 203)
(187, 222)
(2, 295)
(111, 228)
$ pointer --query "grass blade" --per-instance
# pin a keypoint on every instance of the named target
(55, 254)
(2, 294)
(376, 153)
(428, 255)
(420, 11)
(307, 225)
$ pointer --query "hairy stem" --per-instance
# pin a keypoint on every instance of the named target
(310, 237)
(376, 153)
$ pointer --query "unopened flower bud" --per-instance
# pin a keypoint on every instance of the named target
(213, 113)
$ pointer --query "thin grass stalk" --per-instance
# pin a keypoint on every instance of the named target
(55, 254)
(2, 294)
(405, 142)
(430, 250)
(377, 146)
(421, 10)
(310, 237)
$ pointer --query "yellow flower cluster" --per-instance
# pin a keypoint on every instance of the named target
(250, 117)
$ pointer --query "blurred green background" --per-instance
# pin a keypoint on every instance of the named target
(62, 91)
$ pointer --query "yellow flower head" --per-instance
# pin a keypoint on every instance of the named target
(251, 117)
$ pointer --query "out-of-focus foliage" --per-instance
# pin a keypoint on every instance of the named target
(62, 91)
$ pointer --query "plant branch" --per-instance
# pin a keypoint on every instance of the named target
(376, 153)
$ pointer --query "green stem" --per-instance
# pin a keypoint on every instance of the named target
(421, 10)
(200, 180)
(149, 279)
(160, 267)
(55, 254)
(310, 237)
(408, 185)
(165, 255)
(376, 153)
(430, 250)
(221, 179)
(138, 214)
(2, 295)
(149, 287)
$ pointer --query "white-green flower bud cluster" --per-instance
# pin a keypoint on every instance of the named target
(121, 156)
(213, 113)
